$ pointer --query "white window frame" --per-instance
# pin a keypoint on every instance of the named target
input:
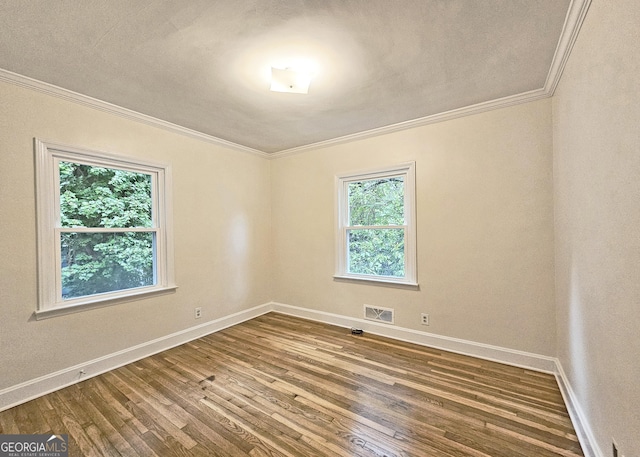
(48, 155)
(408, 171)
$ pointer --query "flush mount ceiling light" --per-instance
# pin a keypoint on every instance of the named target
(290, 80)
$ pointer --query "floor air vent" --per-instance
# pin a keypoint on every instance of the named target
(378, 314)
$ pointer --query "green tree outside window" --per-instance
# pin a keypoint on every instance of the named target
(114, 254)
(375, 238)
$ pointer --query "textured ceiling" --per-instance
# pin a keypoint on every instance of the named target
(203, 64)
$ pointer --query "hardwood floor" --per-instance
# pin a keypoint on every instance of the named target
(283, 386)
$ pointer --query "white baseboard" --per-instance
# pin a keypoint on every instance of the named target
(535, 362)
(34, 388)
(21, 393)
(581, 425)
(513, 357)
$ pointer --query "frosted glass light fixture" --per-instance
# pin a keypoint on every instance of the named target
(290, 80)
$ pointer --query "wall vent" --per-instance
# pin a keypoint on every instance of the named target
(376, 313)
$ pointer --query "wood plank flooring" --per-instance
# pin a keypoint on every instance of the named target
(283, 386)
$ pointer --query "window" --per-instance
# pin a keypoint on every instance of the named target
(376, 238)
(104, 231)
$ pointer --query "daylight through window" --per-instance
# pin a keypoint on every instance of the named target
(376, 236)
(107, 234)
(103, 228)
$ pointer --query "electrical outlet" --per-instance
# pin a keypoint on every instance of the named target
(198, 313)
(424, 319)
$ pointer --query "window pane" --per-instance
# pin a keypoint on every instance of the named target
(376, 252)
(377, 202)
(95, 263)
(103, 197)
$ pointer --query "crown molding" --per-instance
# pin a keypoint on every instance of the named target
(419, 122)
(572, 24)
(75, 97)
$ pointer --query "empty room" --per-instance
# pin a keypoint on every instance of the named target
(320, 228)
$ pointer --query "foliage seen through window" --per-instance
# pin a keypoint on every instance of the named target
(376, 235)
(98, 261)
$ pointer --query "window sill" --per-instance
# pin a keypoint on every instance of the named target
(378, 281)
(100, 302)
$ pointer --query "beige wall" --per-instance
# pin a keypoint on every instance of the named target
(596, 113)
(248, 230)
(222, 233)
(485, 228)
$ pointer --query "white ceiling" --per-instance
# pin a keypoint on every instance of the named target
(204, 64)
